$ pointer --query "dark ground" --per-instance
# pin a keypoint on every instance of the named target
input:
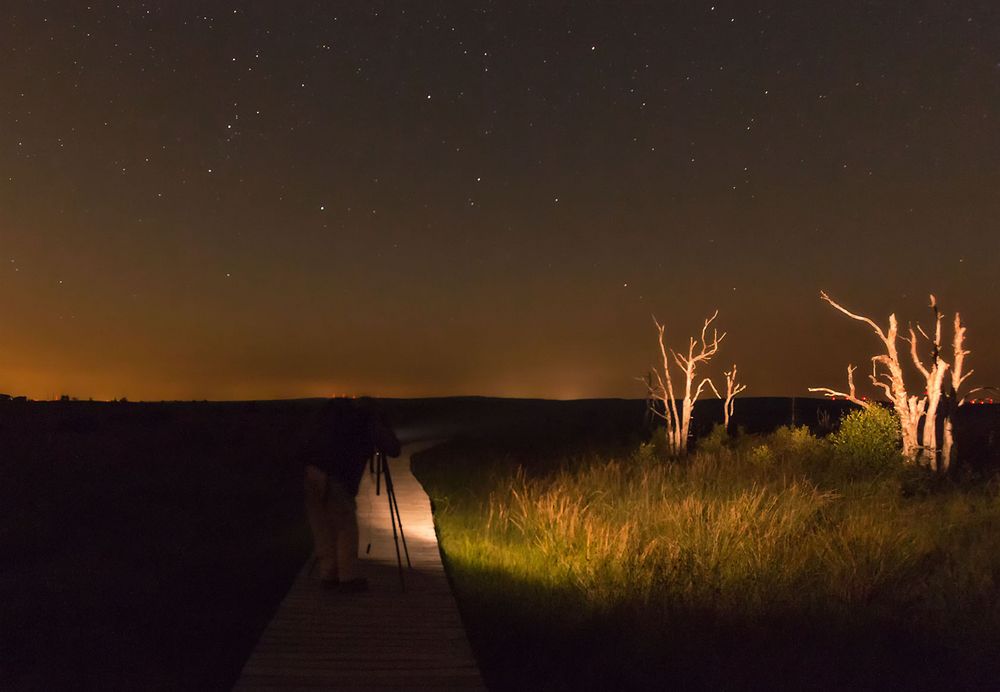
(143, 545)
(146, 545)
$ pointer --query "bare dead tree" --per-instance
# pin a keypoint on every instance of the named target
(909, 408)
(732, 389)
(664, 392)
(954, 398)
(678, 421)
(934, 379)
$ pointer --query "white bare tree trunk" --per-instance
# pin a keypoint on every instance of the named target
(910, 425)
(909, 408)
(665, 393)
(955, 399)
(947, 443)
(678, 422)
(934, 379)
(732, 389)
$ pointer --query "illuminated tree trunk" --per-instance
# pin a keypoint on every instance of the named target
(678, 422)
(910, 425)
(947, 443)
(934, 378)
(665, 393)
(732, 389)
(954, 399)
(908, 408)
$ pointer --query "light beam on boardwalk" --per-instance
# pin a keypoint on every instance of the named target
(384, 638)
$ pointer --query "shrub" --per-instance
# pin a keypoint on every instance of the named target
(868, 440)
(657, 448)
(715, 441)
(796, 443)
(762, 456)
(647, 454)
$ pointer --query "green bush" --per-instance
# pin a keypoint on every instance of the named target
(656, 450)
(715, 441)
(762, 456)
(868, 440)
(797, 445)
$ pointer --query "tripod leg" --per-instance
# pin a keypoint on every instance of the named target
(399, 560)
(394, 519)
(392, 498)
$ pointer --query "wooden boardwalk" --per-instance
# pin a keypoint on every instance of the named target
(384, 638)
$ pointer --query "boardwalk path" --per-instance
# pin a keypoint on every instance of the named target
(381, 639)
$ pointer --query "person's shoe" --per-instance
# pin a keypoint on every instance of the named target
(331, 583)
(356, 585)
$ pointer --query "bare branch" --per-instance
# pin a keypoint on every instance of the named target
(957, 378)
(850, 394)
(963, 378)
(887, 387)
(701, 385)
(985, 389)
(681, 361)
(913, 353)
(732, 387)
(707, 323)
(859, 318)
(710, 384)
(832, 393)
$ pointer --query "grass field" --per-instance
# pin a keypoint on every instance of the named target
(779, 561)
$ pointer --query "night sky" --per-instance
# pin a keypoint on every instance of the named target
(254, 200)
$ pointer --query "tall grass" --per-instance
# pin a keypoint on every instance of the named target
(719, 530)
(788, 533)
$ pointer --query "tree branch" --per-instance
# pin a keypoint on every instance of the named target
(850, 394)
(853, 316)
(913, 353)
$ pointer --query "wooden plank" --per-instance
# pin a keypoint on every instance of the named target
(384, 638)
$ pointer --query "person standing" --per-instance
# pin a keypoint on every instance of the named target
(342, 439)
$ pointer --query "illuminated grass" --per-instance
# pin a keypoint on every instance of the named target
(705, 572)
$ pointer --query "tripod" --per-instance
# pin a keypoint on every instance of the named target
(379, 465)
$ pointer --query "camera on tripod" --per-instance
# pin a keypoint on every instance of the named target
(378, 465)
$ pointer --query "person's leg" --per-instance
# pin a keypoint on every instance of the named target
(344, 510)
(323, 525)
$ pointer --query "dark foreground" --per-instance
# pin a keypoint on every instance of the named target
(143, 545)
(147, 545)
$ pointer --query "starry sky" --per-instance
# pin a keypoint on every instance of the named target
(260, 199)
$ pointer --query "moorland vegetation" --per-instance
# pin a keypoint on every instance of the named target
(784, 560)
